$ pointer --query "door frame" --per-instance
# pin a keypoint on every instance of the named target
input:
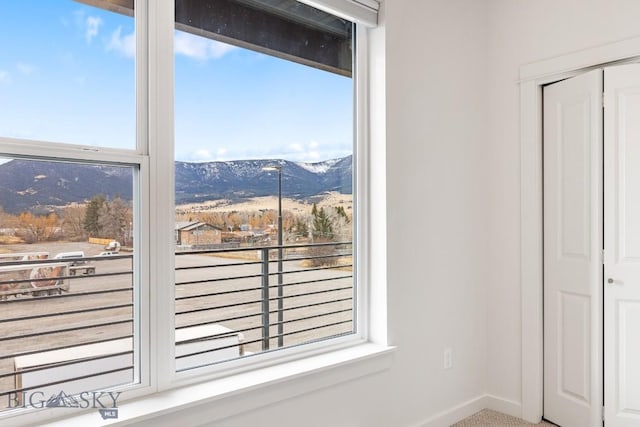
(532, 78)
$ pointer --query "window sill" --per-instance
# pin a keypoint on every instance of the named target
(274, 383)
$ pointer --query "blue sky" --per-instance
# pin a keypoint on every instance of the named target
(67, 75)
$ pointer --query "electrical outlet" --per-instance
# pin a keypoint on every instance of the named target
(448, 358)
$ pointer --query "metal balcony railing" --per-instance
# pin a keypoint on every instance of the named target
(309, 299)
(71, 327)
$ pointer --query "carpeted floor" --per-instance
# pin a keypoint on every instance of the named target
(488, 418)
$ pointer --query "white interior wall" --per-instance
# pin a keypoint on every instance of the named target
(522, 32)
(452, 160)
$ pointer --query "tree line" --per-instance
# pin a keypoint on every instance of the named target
(98, 218)
(112, 218)
(322, 224)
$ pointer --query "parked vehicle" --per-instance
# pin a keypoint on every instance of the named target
(77, 263)
(113, 246)
(75, 257)
(108, 253)
(37, 279)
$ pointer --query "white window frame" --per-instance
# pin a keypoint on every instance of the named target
(305, 367)
(164, 123)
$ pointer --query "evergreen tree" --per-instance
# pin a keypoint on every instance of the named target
(322, 227)
(92, 215)
(341, 213)
(113, 219)
(302, 229)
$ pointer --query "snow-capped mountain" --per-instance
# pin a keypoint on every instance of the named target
(40, 186)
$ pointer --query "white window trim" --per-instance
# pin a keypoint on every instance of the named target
(161, 109)
(302, 369)
(240, 393)
(363, 12)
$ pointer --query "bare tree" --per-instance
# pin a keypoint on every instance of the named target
(38, 228)
(113, 219)
(73, 222)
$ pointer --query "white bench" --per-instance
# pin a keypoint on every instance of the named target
(213, 343)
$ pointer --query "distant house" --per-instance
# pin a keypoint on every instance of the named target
(194, 233)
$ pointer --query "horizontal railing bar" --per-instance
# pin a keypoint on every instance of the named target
(66, 313)
(215, 336)
(273, 247)
(77, 277)
(78, 261)
(306, 282)
(67, 295)
(297, 257)
(261, 339)
(63, 347)
(211, 350)
(298, 307)
(315, 304)
(223, 250)
(66, 363)
(60, 331)
(218, 279)
(226, 319)
(198, 310)
(300, 331)
(311, 293)
(63, 278)
(67, 380)
(315, 316)
(215, 294)
(284, 273)
(322, 256)
(285, 285)
(306, 270)
(235, 264)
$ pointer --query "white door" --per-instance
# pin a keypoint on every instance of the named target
(622, 246)
(572, 251)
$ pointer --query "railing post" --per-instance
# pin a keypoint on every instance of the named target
(265, 298)
(280, 295)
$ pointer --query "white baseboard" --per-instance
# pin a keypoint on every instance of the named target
(503, 405)
(455, 414)
(466, 409)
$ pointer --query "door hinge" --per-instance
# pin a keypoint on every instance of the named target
(602, 256)
(603, 99)
(603, 413)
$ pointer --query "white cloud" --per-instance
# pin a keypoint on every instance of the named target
(201, 155)
(92, 24)
(296, 147)
(125, 45)
(199, 48)
(25, 68)
(4, 76)
(312, 151)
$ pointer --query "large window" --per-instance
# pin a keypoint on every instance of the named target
(264, 178)
(178, 194)
(70, 276)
